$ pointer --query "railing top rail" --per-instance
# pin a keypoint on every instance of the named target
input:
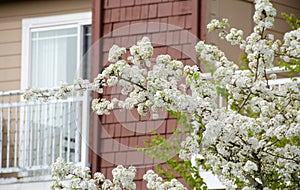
(12, 93)
(21, 92)
(34, 103)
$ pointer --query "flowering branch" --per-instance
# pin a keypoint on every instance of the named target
(76, 177)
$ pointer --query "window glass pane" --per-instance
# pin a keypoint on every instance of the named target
(86, 57)
(53, 57)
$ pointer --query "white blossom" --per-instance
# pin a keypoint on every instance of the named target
(250, 166)
(80, 178)
(115, 53)
(216, 24)
(154, 182)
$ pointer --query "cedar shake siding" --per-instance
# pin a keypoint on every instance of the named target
(116, 136)
(123, 23)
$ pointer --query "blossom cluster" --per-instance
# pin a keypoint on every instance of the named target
(141, 52)
(151, 89)
(63, 92)
(291, 45)
(235, 36)
(264, 15)
(67, 176)
(156, 182)
(216, 24)
(79, 178)
(115, 52)
(122, 179)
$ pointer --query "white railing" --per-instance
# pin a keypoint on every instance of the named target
(34, 133)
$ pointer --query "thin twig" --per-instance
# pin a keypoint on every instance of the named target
(244, 102)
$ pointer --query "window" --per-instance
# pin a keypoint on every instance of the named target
(53, 50)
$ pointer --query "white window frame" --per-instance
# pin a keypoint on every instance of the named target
(30, 25)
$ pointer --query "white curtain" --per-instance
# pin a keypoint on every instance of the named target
(53, 58)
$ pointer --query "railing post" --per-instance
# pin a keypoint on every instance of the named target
(38, 151)
(61, 129)
(85, 128)
(16, 137)
(30, 131)
(22, 137)
(69, 132)
(8, 138)
(1, 127)
(78, 124)
(53, 127)
(45, 131)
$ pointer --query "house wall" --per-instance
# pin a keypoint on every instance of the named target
(11, 15)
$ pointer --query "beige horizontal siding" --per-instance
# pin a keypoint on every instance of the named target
(12, 35)
(286, 3)
(11, 61)
(10, 85)
(240, 13)
(12, 48)
(42, 7)
(281, 26)
(293, 8)
(7, 24)
(10, 74)
(294, 4)
(11, 15)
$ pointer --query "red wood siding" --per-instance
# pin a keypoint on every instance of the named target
(123, 131)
